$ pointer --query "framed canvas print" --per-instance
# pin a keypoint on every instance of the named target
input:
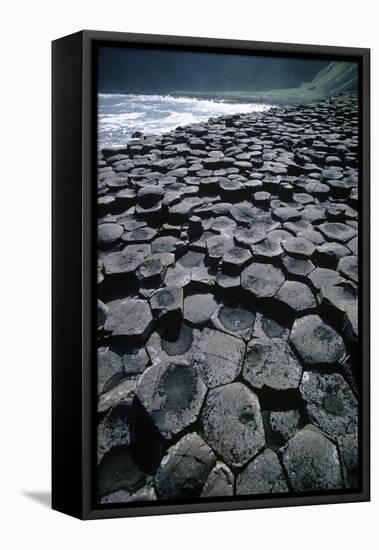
(210, 274)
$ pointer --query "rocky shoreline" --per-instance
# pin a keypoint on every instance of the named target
(227, 310)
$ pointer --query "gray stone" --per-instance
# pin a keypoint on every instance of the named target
(140, 235)
(348, 446)
(297, 267)
(199, 308)
(348, 266)
(323, 277)
(109, 369)
(236, 259)
(185, 468)
(299, 247)
(271, 363)
(330, 403)
(172, 394)
(311, 461)
(114, 430)
(146, 494)
(316, 342)
(339, 232)
(124, 392)
(286, 214)
(108, 234)
(267, 249)
(262, 280)
(220, 482)
(167, 302)
(263, 475)
(130, 319)
(234, 320)
(232, 423)
(218, 357)
(297, 296)
(280, 426)
(153, 269)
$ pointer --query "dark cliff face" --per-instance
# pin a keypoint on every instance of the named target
(128, 70)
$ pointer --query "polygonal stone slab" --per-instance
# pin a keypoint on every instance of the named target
(271, 363)
(166, 302)
(298, 247)
(311, 461)
(232, 423)
(109, 369)
(348, 446)
(330, 403)
(264, 475)
(262, 280)
(348, 266)
(236, 259)
(108, 234)
(339, 232)
(234, 320)
(280, 426)
(316, 342)
(218, 357)
(297, 296)
(172, 394)
(220, 482)
(323, 277)
(199, 308)
(185, 468)
(130, 319)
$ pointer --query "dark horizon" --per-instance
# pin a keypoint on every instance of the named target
(132, 70)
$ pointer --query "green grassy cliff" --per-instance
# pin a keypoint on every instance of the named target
(336, 78)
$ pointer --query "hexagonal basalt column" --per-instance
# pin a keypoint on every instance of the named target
(172, 394)
(232, 423)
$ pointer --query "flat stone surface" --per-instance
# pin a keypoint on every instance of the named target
(185, 468)
(218, 357)
(348, 267)
(299, 247)
(172, 394)
(297, 296)
(114, 430)
(339, 232)
(323, 277)
(108, 234)
(131, 318)
(330, 403)
(109, 369)
(262, 280)
(280, 426)
(263, 475)
(235, 320)
(316, 342)
(167, 301)
(236, 259)
(232, 423)
(271, 363)
(311, 461)
(297, 267)
(199, 308)
(220, 482)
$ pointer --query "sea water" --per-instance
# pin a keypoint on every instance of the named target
(120, 115)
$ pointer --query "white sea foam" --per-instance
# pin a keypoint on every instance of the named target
(120, 115)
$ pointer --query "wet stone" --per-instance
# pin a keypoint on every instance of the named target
(232, 423)
(234, 320)
(316, 342)
(262, 280)
(130, 319)
(199, 308)
(220, 482)
(297, 296)
(263, 475)
(185, 468)
(172, 394)
(218, 357)
(330, 403)
(311, 461)
(271, 363)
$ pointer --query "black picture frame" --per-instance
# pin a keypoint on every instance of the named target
(74, 259)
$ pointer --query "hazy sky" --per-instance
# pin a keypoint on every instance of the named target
(131, 70)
